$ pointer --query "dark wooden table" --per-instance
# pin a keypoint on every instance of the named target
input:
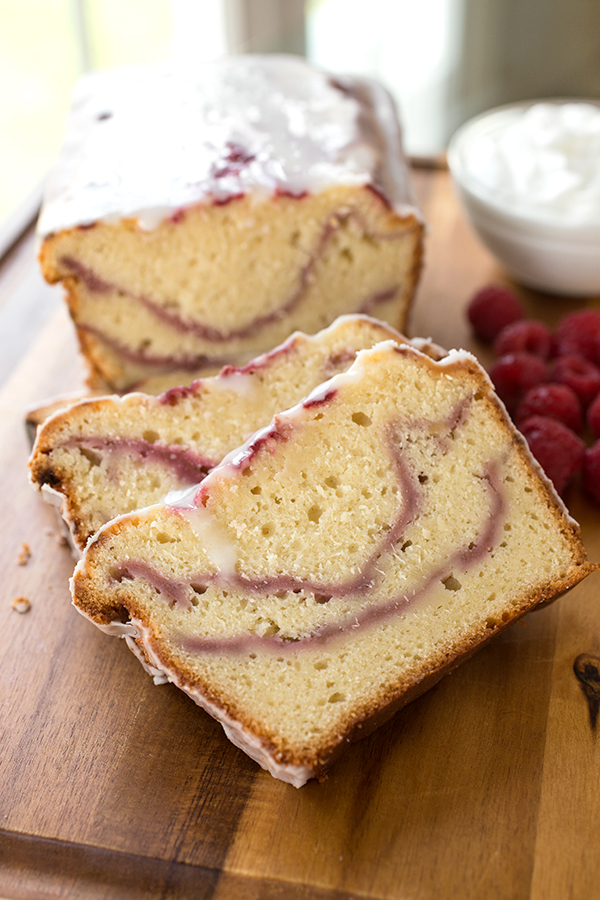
(487, 787)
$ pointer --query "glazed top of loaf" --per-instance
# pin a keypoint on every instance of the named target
(146, 141)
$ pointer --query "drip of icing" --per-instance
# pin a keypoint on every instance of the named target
(182, 499)
(235, 381)
(213, 536)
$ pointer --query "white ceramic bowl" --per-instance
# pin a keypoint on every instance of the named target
(549, 251)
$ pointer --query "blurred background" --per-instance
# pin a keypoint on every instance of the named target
(444, 60)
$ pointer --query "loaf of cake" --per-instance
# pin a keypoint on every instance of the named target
(198, 218)
(341, 561)
(105, 456)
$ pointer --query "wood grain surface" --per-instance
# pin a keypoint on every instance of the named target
(110, 787)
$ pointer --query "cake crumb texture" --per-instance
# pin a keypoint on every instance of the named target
(21, 604)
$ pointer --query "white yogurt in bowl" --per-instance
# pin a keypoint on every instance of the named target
(529, 177)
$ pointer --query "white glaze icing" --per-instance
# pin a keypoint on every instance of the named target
(184, 498)
(58, 501)
(429, 348)
(119, 629)
(239, 383)
(157, 675)
(147, 141)
(214, 538)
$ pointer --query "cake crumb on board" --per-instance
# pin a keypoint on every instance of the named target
(24, 555)
(21, 604)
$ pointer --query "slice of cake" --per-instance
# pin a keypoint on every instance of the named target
(198, 218)
(105, 456)
(342, 561)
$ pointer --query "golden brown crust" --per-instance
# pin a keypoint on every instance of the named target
(47, 259)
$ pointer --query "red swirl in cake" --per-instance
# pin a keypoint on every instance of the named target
(187, 466)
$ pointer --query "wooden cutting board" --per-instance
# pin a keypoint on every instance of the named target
(110, 787)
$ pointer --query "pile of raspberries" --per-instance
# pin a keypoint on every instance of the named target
(548, 381)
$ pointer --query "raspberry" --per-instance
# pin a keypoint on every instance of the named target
(557, 449)
(593, 416)
(492, 309)
(526, 335)
(580, 375)
(556, 401)
(578, 334)
(514, 374)
(590, 476)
